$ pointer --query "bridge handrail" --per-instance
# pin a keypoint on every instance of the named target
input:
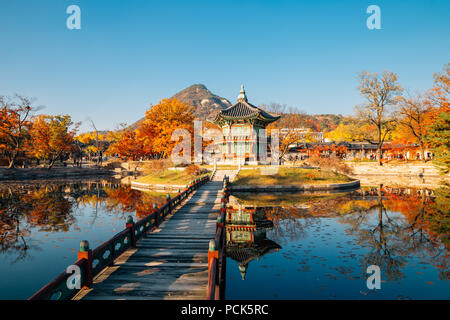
(58, 289)
(216, 254)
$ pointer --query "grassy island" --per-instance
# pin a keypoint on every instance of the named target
(289, 177)
(170, 177)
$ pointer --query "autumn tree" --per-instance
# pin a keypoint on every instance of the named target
(439, 133)
(382, 93)
(413, 118)
(52, 136)
(94, 142)
(127, 145)
(439, 139)
(14, 125)
(161, 120)
(439, 94)
(350, 129)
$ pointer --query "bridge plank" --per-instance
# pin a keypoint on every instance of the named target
(171, 261)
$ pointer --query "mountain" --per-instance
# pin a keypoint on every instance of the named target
(207, 104)
(204, 100)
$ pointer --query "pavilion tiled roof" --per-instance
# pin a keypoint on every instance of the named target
(248, 253)
(245, 110)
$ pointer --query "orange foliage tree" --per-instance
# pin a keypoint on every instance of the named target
(51, 137)
(161, 120)
(414, 117)
(127, 145)
(14, 126)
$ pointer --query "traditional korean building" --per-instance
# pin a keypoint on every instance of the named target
(243, 128)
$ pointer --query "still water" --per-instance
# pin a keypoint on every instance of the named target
(319, 246)
(41, 226)
(295, 246)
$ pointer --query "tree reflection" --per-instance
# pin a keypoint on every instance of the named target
(378, 233)
(289, 223)
(397, 225)
(391, 223)
(49, 207)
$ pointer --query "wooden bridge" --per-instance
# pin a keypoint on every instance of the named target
(175, 257)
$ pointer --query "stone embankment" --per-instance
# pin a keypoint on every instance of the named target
(292, 188)
(44, 173)
(406, 169)
(409, 174)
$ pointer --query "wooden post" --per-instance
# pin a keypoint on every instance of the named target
(130, 225)
(224, 198)
(155, 211)
(223, 212)
(213, 255)
(219, 223)
(169, 203)
(86, 253)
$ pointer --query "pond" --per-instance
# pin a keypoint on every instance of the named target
(319, 246)
(42, 224)
(279, 246)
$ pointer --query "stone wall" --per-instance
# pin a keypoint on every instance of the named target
(43, 173)
(292, 188)
(413, 169)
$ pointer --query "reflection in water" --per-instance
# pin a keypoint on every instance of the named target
(246, 237)
(400, 230)
(45, 222)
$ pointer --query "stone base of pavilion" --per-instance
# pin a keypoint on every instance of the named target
(237, 162)
(242, 161)
(295, 188)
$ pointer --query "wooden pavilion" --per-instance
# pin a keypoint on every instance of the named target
(244, 132)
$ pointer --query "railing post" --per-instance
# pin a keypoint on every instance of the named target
(212, 252)
(86, 253)
(219, 223)
(130, 225)
(224, 198)
(213, 255)
(169, 203)
(155, 211)
(223, 210)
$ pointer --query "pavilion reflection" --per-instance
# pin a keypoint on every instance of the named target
(246, 236)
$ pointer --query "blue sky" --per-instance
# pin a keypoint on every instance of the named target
(129, 54)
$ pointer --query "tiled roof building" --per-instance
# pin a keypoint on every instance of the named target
(243, 125)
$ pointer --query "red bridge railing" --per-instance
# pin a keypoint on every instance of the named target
(216, 252)
(91, 262)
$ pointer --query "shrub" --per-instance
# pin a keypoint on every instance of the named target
(157, 166)
(311, 176)
(331, 163)
(193, 170)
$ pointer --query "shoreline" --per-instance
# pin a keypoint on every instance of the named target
(29, 174)
(304, 187)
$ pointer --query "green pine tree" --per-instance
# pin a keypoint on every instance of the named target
(439, 140)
